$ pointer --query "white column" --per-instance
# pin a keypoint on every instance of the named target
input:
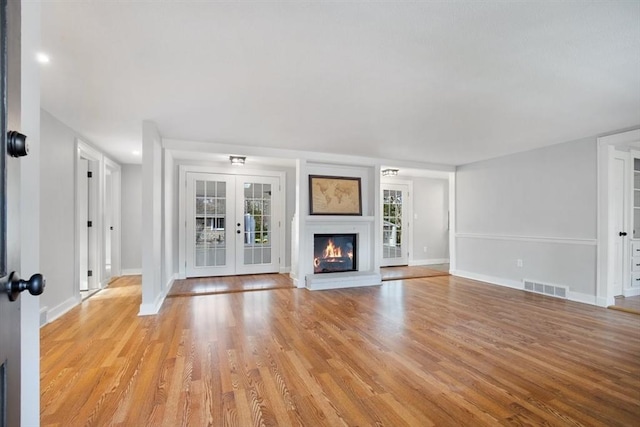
(152, 292)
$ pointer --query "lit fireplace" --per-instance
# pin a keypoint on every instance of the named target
(334, 253)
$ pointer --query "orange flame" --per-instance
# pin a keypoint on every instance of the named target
(332, 251)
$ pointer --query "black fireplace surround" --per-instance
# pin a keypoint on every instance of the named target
(333, 253)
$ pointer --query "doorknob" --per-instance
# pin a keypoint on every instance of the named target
(17, 144)
(622, 233)
(15, 285)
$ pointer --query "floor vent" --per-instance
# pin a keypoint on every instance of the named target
(546, 289)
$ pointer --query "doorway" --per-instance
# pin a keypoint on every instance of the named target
(614, 217)
(619, 241)
(395, 224)
(86, 204)
(233, 224)
(88, 220)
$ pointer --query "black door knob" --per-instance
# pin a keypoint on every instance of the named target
(17, 144)
(622, 233)
(15, 285)
(238, 231)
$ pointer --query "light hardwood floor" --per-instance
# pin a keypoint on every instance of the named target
(436, 351)
(227, 284)
(413, 272)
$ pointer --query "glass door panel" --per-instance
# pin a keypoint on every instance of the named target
(211, 216)
(258, 242)
(209, 209)
(394, 250)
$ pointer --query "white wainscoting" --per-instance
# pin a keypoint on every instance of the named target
(508, 259)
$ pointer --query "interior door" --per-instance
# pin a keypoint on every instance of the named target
(395, 249)
(83, 219)
(12, 144)
(108, 225)
(9, 245)
(231, 227)
(620, 235)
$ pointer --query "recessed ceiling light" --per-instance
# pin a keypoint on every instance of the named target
(237, 160)
(42, 58)
(135, 152)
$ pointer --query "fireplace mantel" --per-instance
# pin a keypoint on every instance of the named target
(363, 227)
(368, 227)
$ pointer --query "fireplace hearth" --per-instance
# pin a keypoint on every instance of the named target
(333, 253)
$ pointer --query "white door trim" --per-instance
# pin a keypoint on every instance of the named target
(85, 151)
(182, 215)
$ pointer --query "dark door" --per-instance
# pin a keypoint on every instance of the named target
(9, 236)
(12, 145)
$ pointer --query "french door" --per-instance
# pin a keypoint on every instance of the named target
(232, 225)
(395, 248)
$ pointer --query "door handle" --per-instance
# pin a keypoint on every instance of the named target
(622, 233)
(14, 285)
(17, 144)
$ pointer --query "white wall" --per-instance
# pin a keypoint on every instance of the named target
(58, 215)
(131, 218)
(431, 205)
(539, 206)
(57, 221)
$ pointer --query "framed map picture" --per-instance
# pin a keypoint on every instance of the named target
(334, 195)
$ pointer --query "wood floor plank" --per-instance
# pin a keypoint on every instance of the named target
(434, 351)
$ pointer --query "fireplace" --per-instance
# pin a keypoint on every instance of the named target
(334, 253)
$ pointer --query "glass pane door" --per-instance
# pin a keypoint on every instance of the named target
(259, 236)
(210, 219)
(394, 245)
(210, 240)
(230, 226)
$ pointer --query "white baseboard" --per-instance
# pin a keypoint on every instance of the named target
(514, 284)
(631, 292)
(62, 308)
(131, 271)
(583, 298)
(170, 281)
(285, 270)
(429, 261)
(602, 302)
(154, 308)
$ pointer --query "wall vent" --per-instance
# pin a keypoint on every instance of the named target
(546, 289)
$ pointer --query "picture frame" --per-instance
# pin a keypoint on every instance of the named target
(335, 195)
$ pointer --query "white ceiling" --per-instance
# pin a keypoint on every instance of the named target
(439, 82)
